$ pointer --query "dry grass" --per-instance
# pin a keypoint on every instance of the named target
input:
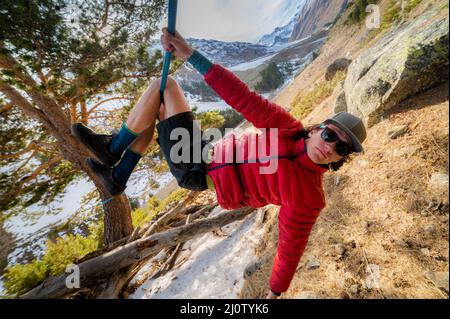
(305, 101)
(379, 210)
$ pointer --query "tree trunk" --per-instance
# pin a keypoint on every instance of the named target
(117, 209)
(118, 223)
(94, 270)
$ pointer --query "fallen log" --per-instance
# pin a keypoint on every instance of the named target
(93, 270)
(116, 283)
(171, 260)
(139, 232)
(205, 211)
(166, 218)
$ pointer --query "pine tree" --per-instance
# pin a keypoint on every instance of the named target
(58, 58)
(272, 78)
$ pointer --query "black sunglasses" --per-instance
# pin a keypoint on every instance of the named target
(330, 136)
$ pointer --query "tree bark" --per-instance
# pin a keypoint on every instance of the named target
(117, 221)
(84, 113)
(93, 270)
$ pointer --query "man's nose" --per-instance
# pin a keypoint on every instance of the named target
(329, 147)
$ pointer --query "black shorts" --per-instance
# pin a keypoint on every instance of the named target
(189, 175)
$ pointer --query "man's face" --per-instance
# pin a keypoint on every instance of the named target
(321, 152)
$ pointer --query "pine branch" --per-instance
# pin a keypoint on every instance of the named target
(19, 188)
(39, 170)
(25, 162)
(32, 146)
(47, 105)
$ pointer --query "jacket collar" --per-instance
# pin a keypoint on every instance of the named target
(304, 160)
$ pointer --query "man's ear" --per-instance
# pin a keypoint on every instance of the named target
(312, 132)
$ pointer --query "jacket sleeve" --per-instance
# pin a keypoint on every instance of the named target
(256, 109)
(294, 227)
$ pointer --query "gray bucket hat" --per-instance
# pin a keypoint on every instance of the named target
(353, 126)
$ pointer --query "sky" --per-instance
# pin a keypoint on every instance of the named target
(233, 20)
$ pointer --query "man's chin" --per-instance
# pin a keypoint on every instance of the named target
(316, 160)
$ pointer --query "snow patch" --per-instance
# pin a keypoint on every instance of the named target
(252, 64)
(214, 265)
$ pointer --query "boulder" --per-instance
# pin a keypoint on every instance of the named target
(353, 289)
(430, 230)
(340, 104)
(341, 64)
(405, 152)
(397, 131)
(313, 263)
(438, 185)
(340, 249)
(404, 62)
(251, 269)
(425, 252)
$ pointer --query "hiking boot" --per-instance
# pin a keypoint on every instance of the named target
(96, 143)
(106, 176)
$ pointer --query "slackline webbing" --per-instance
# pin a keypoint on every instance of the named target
(172, 18)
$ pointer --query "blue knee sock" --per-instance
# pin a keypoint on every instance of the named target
(122, 140)
(126, 166)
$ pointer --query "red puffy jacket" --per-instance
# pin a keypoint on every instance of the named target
(296, 185)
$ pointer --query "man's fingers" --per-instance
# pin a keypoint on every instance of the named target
(169, 41)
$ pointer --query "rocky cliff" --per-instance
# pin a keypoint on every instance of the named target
(315, 15)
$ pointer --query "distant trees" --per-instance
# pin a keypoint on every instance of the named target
(358, 10)
(232, 119)
(200, 89)
(223, 119)
(271, 78)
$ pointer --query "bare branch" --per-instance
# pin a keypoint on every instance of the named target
(107, 100)
(39, 170)
(25, 162)
(32, 146)
(6, 107)
(30, 177)
(105, 16)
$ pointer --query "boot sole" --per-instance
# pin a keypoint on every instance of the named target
(106, 184)
(74, 130)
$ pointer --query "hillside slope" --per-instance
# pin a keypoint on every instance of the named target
(384, 232)
(315, 15)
